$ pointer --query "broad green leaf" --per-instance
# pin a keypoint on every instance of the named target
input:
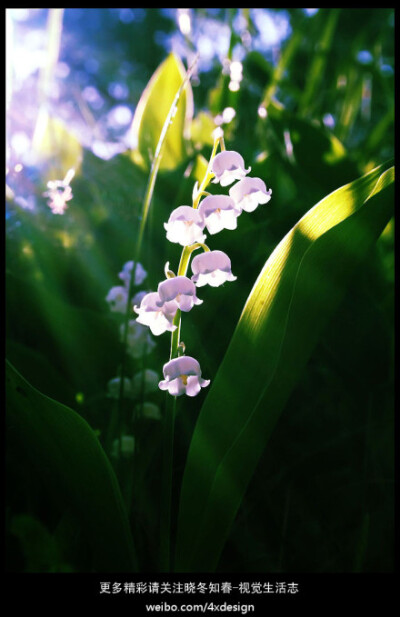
(55, 145)
(39, 546)
(153, 109)
(71, 336)
(40, 371)
(69, 458)
(296, 293)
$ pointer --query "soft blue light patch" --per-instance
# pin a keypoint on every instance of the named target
(364, 57)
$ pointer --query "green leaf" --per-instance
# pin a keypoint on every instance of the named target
(299, 288)
(153, 109)
(315, 154)
(201, 129)
(71, 336)
(55, 145)
(199, 168)
(72, 463)
(39, 547)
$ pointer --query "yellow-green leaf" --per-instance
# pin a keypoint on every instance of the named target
(201, 129)
(300, 286)
(152, 110)
(56, 146)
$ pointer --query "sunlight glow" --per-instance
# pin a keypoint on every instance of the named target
(184, 21)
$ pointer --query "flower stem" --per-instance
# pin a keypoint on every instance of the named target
(138, 247)
(187, 250)
(166, 487)
(182, 270)
(166, 564)
(207, 176)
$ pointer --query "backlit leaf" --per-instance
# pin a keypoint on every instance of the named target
(153, 109)
(296, 293)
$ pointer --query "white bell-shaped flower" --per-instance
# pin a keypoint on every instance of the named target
(113, 387)
(176, 293)
(126, 273)
(125, 445)
(248, 193)
(153, 314)
(147, 410)
(185, 226)
(117, 299)
(212, 268)
(139, 341)
(183, 376)
(138, 297)
(219, 212)
(228, 166)
(145, 382)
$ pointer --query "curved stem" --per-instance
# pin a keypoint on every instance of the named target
(182, 270)
(166, 487)
(208, 175)
(187, 250)
(166, 563)
(145, 211)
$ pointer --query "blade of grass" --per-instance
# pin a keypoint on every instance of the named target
(317, 68)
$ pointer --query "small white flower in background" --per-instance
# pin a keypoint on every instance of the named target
(212, 268)
(117, 299)
(150, 411)
(178, 293)
(226, 117)
(59, 192)
(152, 314)
(248, 193)
(138, 297)
(185, 226)
(127, 446)
(228, 166)
(126, 273)
(183, 376)
(219, 212)
(217, 133)
(139, 341)
(113, 387)
(145, 382)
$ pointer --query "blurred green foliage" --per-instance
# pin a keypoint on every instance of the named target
(321, 499)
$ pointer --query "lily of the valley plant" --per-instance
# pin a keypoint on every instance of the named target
(161, 310)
